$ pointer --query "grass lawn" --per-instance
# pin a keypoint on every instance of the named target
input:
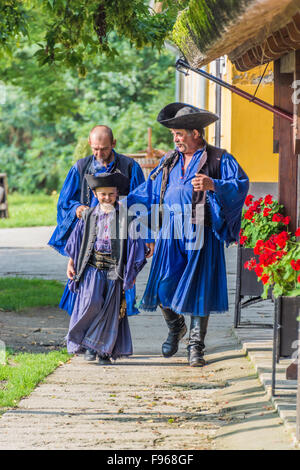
(19, 294)
(22, 372)
(31, 210)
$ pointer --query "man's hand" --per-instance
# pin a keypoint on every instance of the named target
(151, 249)
(203, 183)
(79, 211)
(70, 269)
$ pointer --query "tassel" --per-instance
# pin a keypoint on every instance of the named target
(123, 306)
(167, 162)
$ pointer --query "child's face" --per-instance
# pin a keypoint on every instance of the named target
(106, 195)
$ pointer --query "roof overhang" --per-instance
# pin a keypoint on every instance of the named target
(250, 32)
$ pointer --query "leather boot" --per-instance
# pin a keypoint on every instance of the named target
(90, 355)
(196, 344)
(177, 330)
(104, 360)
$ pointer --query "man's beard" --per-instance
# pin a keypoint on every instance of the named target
(183, 147)
(106, 159)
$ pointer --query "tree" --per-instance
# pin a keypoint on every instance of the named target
(75, 31)
(49, 110)
(69, 65)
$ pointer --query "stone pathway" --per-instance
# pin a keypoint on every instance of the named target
(146, 401)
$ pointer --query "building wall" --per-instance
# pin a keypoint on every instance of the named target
(246, 128)
(252, 126)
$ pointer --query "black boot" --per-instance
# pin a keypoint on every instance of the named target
(196, 344)
(90, 355)
(104, 360)
(177, 330)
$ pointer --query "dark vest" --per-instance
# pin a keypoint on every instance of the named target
(119, 228)
(122, 165)
(211, 168)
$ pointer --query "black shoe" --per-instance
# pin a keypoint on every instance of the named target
(104, 360)
(177, 330)
(195, 356)
(90, 355)
(196, 344)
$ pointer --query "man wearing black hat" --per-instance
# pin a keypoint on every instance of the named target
(199, 190)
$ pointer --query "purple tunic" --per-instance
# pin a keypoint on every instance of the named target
(95, 323)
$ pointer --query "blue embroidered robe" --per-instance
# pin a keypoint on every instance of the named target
(193, 281)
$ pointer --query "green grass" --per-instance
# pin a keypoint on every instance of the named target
(20, 294)
(31, 210)
(22, 372)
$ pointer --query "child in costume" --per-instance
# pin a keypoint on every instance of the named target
(104, 262)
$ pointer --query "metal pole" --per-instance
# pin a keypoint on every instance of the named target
(298, 392)
(253, 99)
(218, 106)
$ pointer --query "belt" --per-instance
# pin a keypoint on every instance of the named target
(102, 261)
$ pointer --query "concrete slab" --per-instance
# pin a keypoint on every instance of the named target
(98, 416)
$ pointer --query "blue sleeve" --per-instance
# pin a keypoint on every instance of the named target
(69, 200)
(137, 176)
(227, 201)
(140, 202)
(146, 193)
(136, 260)
(72, 249)
(73, 244)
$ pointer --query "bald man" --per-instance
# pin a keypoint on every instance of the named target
(76, 196)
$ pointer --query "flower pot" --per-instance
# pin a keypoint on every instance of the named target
(286, 332)
(287, 310)
(246, 283)
(249, 284)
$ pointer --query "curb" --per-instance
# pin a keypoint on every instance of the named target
(260, 355)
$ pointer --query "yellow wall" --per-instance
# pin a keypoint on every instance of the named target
(247, 129)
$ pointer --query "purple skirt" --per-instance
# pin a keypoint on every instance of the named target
(95, 323)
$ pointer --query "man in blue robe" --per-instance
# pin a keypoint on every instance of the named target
(76, 196)
(200, 191)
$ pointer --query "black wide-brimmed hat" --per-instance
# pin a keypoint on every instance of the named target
(185, 116)
(107, 180)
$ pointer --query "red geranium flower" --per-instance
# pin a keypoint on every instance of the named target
(277, 218)
(258, 249)
(249, 214)
(265, 278)
(280, 254)
(295, 264)
(268, 199)
(281, 239)
(297, 233)
(259, 271)
(249, 200)
(266, 212)
(250, 265)
(298, 278)
(286, 220)
(243, 239)
(271, 244)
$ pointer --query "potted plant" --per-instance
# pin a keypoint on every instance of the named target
(278, 266)
(260, 219)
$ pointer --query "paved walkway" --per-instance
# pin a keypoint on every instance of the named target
(148, 401)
